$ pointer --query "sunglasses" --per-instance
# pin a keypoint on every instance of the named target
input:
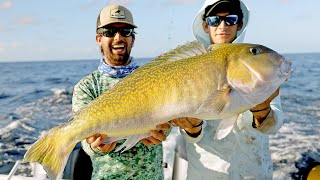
(216, 20)
(111, 32)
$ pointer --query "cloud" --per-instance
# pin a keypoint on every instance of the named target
(6, 29)
(25, 20)
(22, 20)
(9, 46)
(6, 4)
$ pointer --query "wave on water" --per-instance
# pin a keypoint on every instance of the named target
(4, 96)
(56, 80)
(31, 120)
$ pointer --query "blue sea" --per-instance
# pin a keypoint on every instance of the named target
(36, 96)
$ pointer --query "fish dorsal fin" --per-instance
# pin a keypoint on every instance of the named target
(189, 49)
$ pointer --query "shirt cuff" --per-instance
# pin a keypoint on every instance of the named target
(271, 124)
(193, 139)
(89, 150)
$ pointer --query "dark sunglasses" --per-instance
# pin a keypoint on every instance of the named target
(216, 20)
(111, 32)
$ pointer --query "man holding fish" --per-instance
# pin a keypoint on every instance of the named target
(244, 153)
(115, 37)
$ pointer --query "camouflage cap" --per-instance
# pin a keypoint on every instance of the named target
(114, 14)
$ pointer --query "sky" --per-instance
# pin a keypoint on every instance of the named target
(33, 30)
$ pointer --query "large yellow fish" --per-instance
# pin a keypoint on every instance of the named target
(190, 81)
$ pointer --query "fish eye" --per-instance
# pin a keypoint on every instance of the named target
(255, 51)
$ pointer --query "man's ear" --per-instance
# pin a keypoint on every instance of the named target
(240, 24)
(133, 38)
(98, 39)
(205, 27)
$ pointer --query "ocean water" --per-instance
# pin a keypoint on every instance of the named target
(36, 96)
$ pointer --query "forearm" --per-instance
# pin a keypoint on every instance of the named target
(260, 115)
(273, 119)
(193, 135)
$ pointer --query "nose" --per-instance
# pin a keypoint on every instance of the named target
(222, 24)
(117, 36)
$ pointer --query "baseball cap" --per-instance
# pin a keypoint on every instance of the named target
(114, 14)
(231, 5)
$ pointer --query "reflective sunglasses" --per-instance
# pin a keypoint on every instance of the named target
(216, 20)
(111, 32)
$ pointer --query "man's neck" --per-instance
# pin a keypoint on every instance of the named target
(117, 63)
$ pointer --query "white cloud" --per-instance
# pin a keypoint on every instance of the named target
(6, 4)
(6, 47)
(8, 29)
(25, 20)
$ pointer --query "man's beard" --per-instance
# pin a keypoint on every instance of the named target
(115, 59)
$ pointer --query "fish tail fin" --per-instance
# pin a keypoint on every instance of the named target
(52, 152)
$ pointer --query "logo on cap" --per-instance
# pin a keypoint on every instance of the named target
(117, 13)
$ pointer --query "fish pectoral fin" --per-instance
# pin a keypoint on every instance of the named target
(131, 141)
(216, 103)
(113, 139)
(225, 126)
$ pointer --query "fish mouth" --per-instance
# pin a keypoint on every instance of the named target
(286, 67)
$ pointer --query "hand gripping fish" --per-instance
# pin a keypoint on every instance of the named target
(190, 81)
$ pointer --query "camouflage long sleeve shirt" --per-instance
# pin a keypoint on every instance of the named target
(140, 162)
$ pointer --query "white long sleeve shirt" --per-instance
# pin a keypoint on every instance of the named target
(243, 154)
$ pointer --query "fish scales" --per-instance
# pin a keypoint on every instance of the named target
(159, 87)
